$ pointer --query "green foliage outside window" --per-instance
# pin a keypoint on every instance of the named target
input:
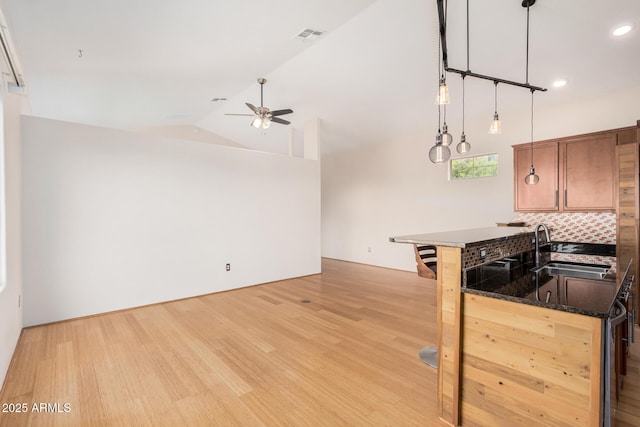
(474, 167)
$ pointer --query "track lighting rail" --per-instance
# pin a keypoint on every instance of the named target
(445, 60)
(494, 79)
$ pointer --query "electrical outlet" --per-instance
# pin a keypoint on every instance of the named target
(369, 249)
(228, 267)
(482, 252)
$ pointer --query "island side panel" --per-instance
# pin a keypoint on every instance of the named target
(449, 298)
(529, 366)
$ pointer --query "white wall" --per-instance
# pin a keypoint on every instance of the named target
(113, 219)
(391, 189)
(10, 311)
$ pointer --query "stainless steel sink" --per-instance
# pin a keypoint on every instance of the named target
(584, 271)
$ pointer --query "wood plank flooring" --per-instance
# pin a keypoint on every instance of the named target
(256, 356)
(248, 357)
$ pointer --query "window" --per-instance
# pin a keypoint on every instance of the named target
(474, 167)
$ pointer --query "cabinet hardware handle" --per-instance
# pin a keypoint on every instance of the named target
(565, 197)
(556, 203)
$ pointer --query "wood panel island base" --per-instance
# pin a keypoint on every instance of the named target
(516, 355)
(528, 365)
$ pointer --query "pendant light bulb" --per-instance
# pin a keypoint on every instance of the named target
(443, 92)
(463, 146)
(447, 138)
(257, 123)
(266, 122)
(532, 178)
(439, 153)
(495, 125)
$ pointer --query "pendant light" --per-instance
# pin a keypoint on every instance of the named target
(440, 152)
(463, 146)
(495, 124)
(532, 178)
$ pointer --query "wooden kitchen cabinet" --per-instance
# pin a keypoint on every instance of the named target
(589, 173)
(542, 197)
(628, 213)
(577, 174)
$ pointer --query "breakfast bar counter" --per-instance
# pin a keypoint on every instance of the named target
(527, 348)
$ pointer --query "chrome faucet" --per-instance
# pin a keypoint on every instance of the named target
(546, 233)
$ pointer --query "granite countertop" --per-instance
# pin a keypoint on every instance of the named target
(514, 281)
(460, 238)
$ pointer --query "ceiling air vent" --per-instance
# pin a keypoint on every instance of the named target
(308, 34)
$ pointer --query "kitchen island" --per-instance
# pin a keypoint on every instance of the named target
(516, 347)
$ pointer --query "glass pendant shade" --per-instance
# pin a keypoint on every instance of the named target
(439, 153)
(532, 178)
(495, 125)
(261, 123)
(463, 146)
(447, 138)
(443, 93)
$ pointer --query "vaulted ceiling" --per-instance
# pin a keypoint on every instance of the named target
(372, 75)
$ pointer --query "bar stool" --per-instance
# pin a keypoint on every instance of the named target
(427, 264)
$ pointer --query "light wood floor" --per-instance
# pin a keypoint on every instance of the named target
(249, 357)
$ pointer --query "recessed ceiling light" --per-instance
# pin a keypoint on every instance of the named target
(621, 30)
(559, 83)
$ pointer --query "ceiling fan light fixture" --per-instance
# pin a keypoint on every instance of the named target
(257, 123)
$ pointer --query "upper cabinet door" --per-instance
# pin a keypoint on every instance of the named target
(589, 173)
(543, 196)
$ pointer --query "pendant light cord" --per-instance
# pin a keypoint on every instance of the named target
(464, 75)
(439, 68)
(495, 97)
(532, 127)
(527, 73)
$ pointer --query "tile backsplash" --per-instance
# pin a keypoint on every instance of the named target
(582, 227)
(578, 227)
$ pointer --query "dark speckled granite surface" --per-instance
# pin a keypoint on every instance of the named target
(511, 279)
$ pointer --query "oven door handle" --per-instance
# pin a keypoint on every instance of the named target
(621, 317)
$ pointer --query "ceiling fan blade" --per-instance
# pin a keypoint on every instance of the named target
(281, 112)
(254, 109)
(232, 114)
(279, 120)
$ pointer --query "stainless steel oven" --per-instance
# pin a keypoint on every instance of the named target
(618, 316)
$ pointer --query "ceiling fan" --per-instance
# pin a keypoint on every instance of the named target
(263, 117)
